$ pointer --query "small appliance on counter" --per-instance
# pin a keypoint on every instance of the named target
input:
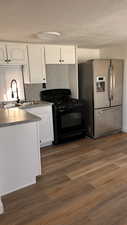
(68, 114)
(101, 87)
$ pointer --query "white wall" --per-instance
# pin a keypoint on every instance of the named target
(120, 52)
(57, 76)
(84, 54)
(62, 76)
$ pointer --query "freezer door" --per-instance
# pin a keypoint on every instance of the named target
(101, 83)
(107, 121)
(117, 82)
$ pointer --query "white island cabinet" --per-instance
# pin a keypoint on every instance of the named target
(45, 124)
(19, 150)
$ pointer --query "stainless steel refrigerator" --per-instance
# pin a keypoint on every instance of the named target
(100, 87)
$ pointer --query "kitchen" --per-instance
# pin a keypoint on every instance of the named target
(43, 105)
(41, 110)
(23, 76)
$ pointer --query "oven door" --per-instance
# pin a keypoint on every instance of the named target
(71, 121)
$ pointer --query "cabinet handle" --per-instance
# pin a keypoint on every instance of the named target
(9, 60)
(6, 60)
(60, 60)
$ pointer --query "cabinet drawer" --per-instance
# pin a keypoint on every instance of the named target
(107, 120)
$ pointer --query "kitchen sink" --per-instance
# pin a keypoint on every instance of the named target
(21, 104)
(27, 103)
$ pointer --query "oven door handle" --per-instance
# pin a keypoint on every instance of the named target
(61, 111)
(66, 111)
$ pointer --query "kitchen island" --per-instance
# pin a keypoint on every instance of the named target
(19, 149)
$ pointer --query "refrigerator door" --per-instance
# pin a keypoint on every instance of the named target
(101, 83)
(107, 121)
(117, 82)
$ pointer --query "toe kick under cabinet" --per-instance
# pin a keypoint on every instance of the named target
(45, 124)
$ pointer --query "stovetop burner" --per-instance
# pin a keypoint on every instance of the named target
(60, 97)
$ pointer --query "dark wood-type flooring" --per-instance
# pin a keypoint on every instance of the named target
(83, 182)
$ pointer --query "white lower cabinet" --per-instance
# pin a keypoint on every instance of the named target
(19, 167)
(45, 124)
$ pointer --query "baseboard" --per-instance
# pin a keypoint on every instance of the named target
(46, 144)
(33, 181)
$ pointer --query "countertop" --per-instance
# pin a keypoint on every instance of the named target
(15, 116)
(39, 104)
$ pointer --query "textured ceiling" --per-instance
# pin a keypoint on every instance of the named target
(88, 23)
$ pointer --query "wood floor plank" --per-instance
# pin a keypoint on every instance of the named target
(83, 183)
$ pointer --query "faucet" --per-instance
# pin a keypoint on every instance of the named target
(14, 88)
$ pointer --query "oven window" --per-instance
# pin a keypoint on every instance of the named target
(71, 120)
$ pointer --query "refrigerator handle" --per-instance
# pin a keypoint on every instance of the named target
(109, 86)
(110, 83)
(113, 79)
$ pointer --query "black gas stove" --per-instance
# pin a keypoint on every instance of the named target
(68, 114)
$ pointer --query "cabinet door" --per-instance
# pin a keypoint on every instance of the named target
(3, 56)
(52, 54)
(67, 54)
(45, 124)
(43, 65)
(17, 53)
(36, 64)
(45, 129)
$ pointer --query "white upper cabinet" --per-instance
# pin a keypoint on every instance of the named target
(67, 54)
(59, 54)
(52, 54)
(13, 54)
(36, 58)
(16, 53)
(3, 55)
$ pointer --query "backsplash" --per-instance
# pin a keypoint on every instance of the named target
(32, 91)
(58, 76)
